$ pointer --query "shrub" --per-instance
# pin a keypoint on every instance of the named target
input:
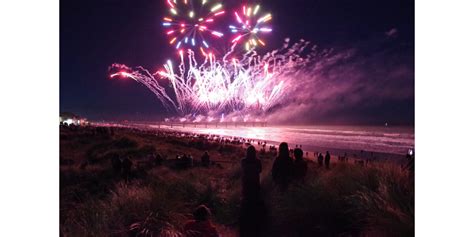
(125, 142)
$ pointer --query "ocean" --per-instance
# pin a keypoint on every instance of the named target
(379, 139)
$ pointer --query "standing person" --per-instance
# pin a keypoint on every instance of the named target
(327, 158)
(205, 159)
(158, 160)
(300, 166)
(410, 163)
(282, 167)
(190, 160)
(251, 169)
(252, 207)
(201, 226)
(320, 159)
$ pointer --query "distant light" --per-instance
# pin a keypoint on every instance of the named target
(69, 121)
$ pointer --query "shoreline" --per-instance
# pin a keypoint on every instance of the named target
(351, 153)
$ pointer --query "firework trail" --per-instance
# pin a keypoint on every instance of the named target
(252, 84)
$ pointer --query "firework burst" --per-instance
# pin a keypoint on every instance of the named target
(249, 84)
(190, 22)
(250, 24)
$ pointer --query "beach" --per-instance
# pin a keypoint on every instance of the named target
(159, 198)
(362, 142)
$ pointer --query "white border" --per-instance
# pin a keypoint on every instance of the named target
(29, 167)
(444, 118)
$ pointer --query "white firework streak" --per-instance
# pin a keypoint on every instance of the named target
(254, 83)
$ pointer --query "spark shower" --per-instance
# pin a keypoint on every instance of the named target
(241, 86)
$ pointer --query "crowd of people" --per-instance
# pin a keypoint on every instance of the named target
(289, 166)
(253, 213)
(285, 169)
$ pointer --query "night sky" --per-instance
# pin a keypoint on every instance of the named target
(373, 86)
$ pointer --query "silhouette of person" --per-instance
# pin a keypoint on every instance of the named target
(252, 219)
(251, 169)
(186, 161)
(201, 226)
(190, 161)
(300, 166)
(320, 159)
(252, 211)
(205, 160)
(158, 160)
(410, 164)
(282, 167)
(327, 158)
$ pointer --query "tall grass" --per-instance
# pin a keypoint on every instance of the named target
(346, 200)
(156, 206)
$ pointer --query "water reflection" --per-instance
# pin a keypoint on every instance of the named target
(380, 139)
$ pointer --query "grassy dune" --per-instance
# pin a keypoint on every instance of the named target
(346, 200)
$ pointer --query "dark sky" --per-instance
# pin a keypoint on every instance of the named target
(374, 85)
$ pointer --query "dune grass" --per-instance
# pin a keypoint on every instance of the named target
(346, 200)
